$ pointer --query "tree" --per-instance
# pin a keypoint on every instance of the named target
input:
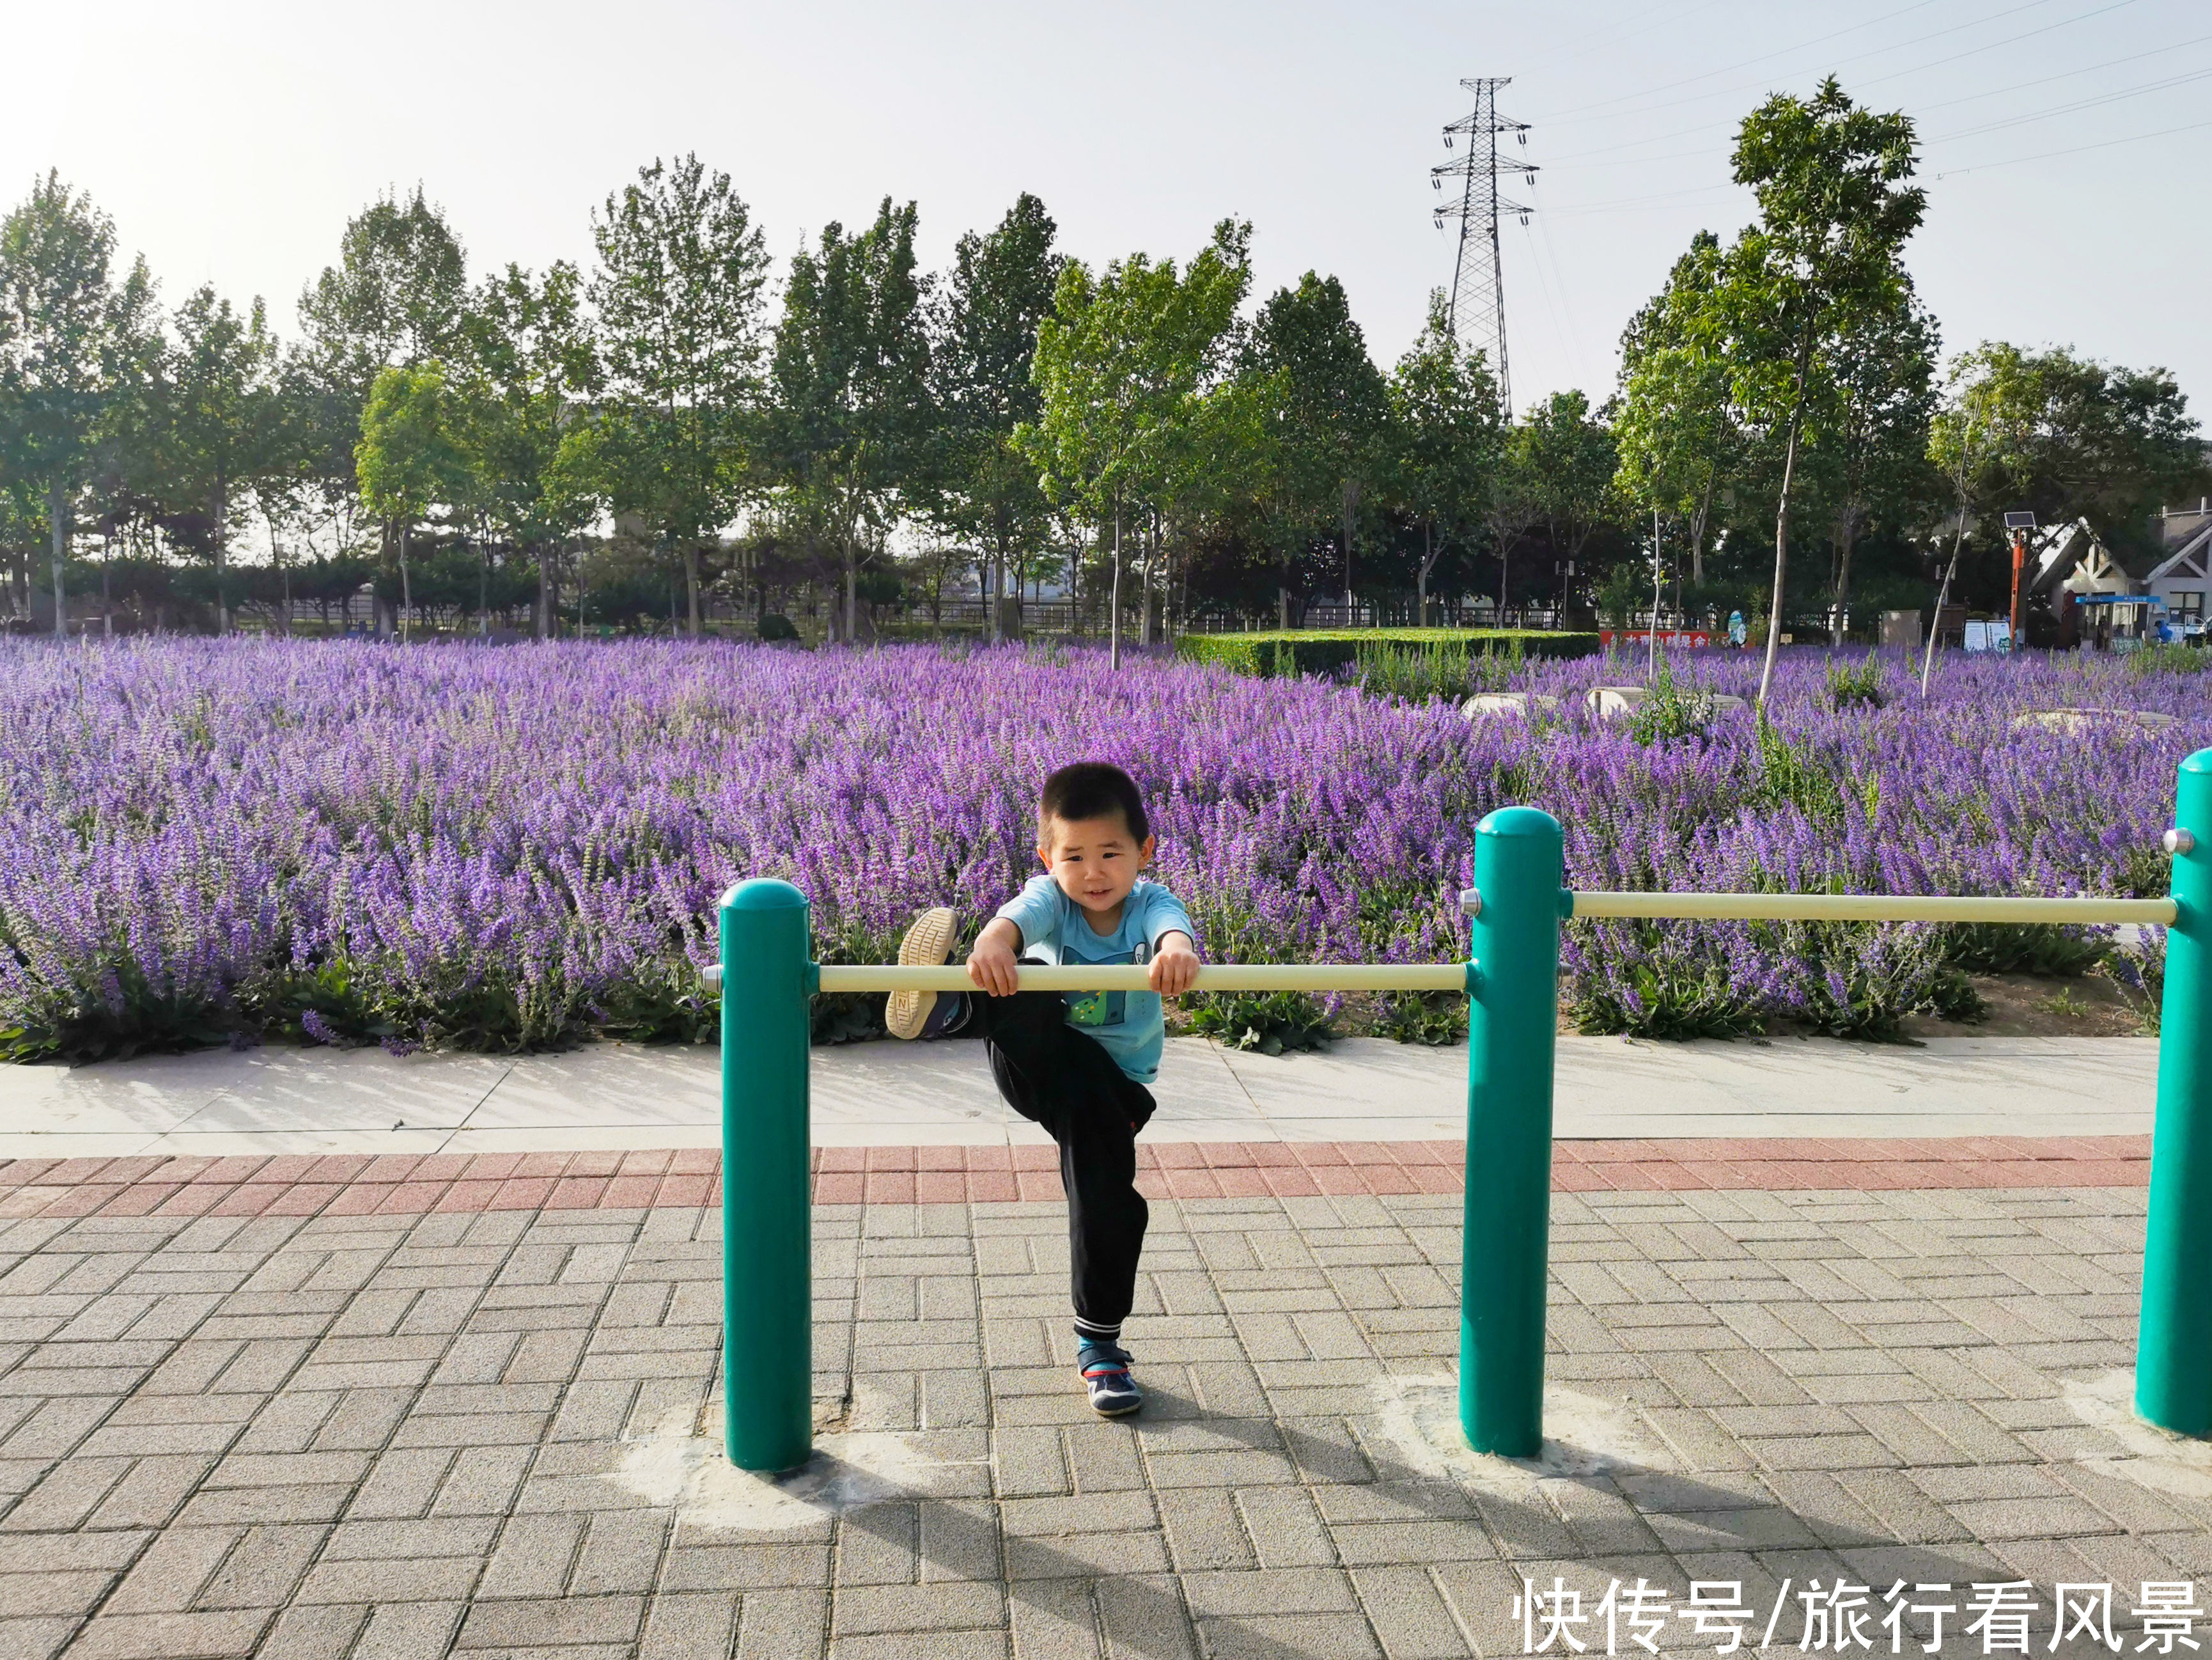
(1446, 437)
(2067, 437)
(1566, 459)
(1834, 215)
(70, 336)
(395, 298)
(853, 418)
(679, 291)
(1122, 365)
(1673, 428)
(396, 295)
(1874, 454)
(1334, 405)
(1000, 289)
(531, 367)
(407, 458)
(217, 417)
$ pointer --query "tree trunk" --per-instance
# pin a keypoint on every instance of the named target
(1782, 537)
(544, 606)
(1151, 558)
(1697, 528)
(691, 585)
(1846, 540)
(1942, 594)
(58, 516)
(1113, 597)
(221, 503)
(107, 600)
(1651, 639)
(406, 592)
(1350, 506)
(1428, 559)
(852, 591)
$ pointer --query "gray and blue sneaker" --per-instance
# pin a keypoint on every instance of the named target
(1105, 1369)
(928, 1013)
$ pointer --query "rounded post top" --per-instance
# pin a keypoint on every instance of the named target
(763, 893)
(1519, 821)
(2199, 763)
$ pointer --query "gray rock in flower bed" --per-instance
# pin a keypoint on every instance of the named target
(2076, 721)
(1506, 702)
(1605, 702)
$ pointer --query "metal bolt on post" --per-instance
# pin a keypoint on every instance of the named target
(2173, 1344)
(1512, 1021)
(768, 1292)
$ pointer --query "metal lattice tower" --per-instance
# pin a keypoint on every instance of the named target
(1477, 292)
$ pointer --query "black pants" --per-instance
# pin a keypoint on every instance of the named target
(1056, 1076)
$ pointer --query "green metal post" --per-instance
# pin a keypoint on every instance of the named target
(767, 1293)
(1512, 1018)
(2173, 1342)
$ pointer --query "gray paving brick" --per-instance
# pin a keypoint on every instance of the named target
(782, 1625)
(172, 1635)
(874, 1609)
(610, 1620)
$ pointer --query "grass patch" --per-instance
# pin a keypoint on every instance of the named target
(1287, 653)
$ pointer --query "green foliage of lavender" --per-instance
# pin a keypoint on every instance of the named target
(203, 841)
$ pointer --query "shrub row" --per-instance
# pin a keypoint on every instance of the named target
(1328, 652)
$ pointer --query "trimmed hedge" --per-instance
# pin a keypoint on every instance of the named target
(1328, 650)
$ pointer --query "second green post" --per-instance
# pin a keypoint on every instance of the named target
(1512, 1018)
(2173, 1342)
(768, 1279)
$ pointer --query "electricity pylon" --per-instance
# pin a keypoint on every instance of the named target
(1477, 293)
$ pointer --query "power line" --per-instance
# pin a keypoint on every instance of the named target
(1878, 51)
(2006, 91)
(1726, 69)
(2068, 109)
(2074, 150)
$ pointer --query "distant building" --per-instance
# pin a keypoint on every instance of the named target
(2183, 577)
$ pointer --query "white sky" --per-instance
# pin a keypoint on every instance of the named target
(232, 141)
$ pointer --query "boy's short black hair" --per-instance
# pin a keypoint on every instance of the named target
(1092, 789)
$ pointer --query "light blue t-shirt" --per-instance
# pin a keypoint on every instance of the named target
(1126, 1023)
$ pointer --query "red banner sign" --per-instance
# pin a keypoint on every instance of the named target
(1667, 637)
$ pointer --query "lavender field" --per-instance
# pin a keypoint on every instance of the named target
(204, 841)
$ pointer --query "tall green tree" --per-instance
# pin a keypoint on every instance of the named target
(69, 338)
(1873, 458)
(1566, 457)
(531, 369)
(679, 292)
(1332, 406)
(1447, 437)
(1124, 365)
(218, 417)
(1835, 211)
(395, 298)
(1674, 430)
(2068, 437)
(854, 420)
(408, 458)
(1000, 289)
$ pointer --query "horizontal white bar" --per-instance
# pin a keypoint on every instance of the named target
(1215, 977)
(1868, 907)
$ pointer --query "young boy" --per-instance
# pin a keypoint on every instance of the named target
(1078, 1062)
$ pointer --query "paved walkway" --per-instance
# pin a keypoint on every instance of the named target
(493, 1433)
(614, 1096)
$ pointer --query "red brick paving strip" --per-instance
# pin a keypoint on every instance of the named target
(405, 1184)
